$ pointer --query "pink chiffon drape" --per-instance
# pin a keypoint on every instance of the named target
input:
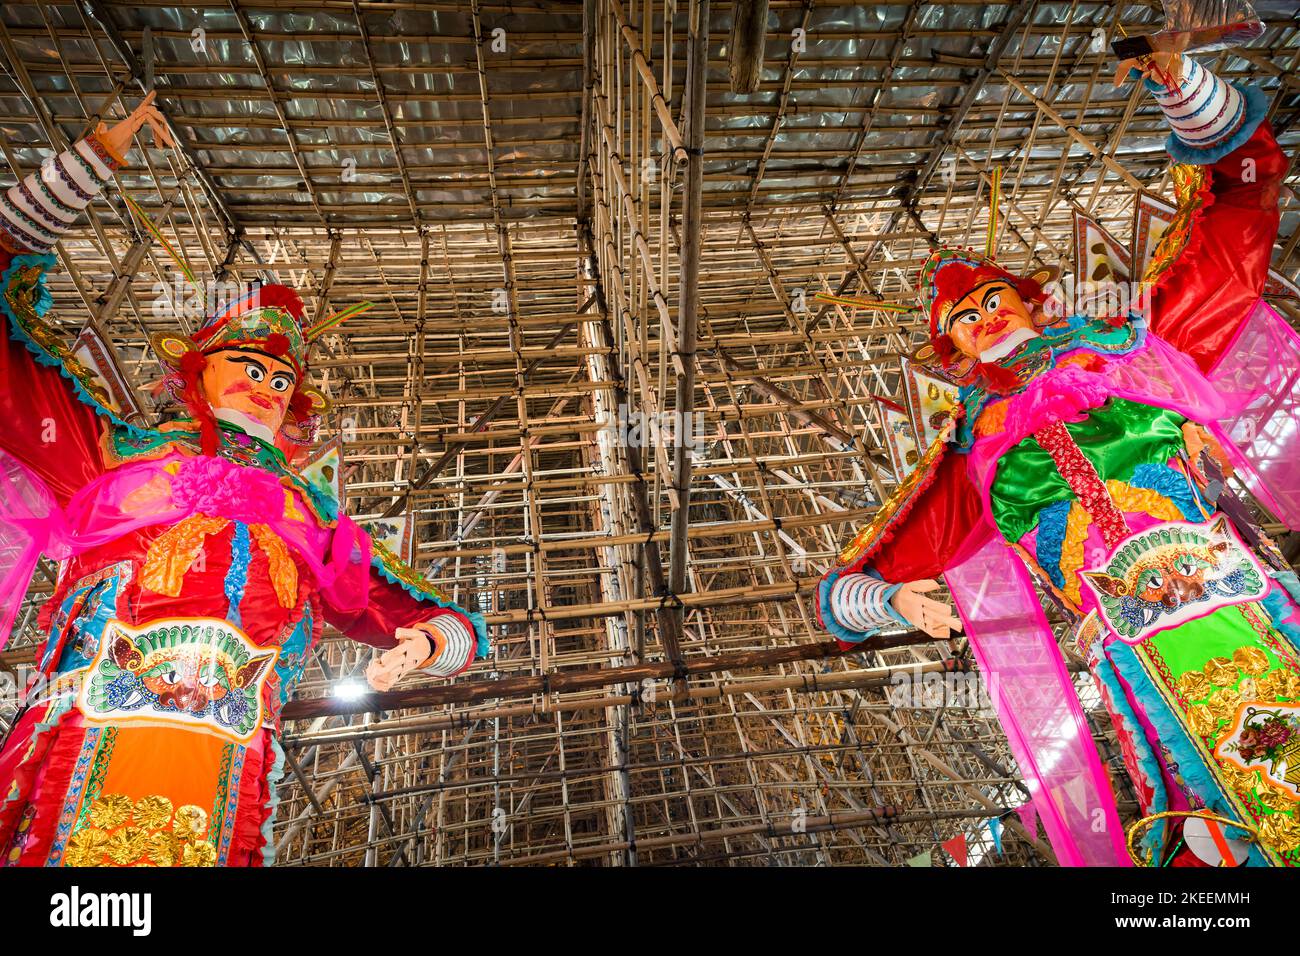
(1034, 697)
(1251, 399)
(164, 492)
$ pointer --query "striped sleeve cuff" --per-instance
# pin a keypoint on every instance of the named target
(855, 605)
(38, 211)
(1209, 117)
(453, 646)
(860, 603)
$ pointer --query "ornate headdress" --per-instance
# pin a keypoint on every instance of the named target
(268, 320)
(951, 274)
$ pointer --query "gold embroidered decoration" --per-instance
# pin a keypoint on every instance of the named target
(125, 846)
(1280, 832)
(1270, 796)
(1271, 686)
(404, 572)
(1223, 704)
(1221, 672)
(152, 813)
(85, 845)
(201, 853)
(1202, 722)
(110, 811)
(141, 833)
(191, 821)
(1190, 187)
(1252, 660)
(1194, 685)
(173, 552)
(163, 848)
(283, 572)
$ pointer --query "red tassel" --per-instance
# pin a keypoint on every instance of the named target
(1002, 381)
(944, 348)
(192, 365)
(193, 362)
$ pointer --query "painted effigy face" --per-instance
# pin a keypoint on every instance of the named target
(251, 383)
(990, 322)
(186, 678)
(1172, 573)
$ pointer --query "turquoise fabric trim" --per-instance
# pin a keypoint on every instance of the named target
(1279, 608)
(292, 659)
(273, 789)
(483, 645)
(833, 625)
(325, 504)
(237, 575)
(1256, 108)
(42, 305)
(1166, 481)
(1154, 839)
(1051, 539)
(1290, 581)
(1191, 766)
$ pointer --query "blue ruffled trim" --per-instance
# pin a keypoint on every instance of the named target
(1279, 608)
(1166, 481)
(833, 625)
(1051, 539)
(1191, 765)
(1154, 838)
(42, 305)
(273, 790)
(1290, 581)
(1255, 105)
(483, 645)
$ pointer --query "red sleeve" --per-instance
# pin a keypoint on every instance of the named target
(45, 425)
(1200, 301)
(927, 538)
(389, 607)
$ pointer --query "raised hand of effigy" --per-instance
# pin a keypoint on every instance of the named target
(117, 139)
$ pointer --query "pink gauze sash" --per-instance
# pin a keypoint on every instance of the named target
(149, 493)
(1251, 400)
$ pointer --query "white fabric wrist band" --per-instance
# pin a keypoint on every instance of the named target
(1203, 111)
(41, 208)
(458, 651)
(859, 603)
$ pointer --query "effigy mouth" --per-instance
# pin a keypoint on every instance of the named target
(1008, 344)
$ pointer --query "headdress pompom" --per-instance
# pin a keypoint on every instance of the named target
(276, 296)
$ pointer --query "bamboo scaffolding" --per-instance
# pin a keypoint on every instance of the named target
(652, 238)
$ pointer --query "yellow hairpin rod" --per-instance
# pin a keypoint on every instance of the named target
(863, 303)
(995, 200)
(172, 252)
(327, 323)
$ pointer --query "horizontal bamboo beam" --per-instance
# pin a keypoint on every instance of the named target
(571, 681)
